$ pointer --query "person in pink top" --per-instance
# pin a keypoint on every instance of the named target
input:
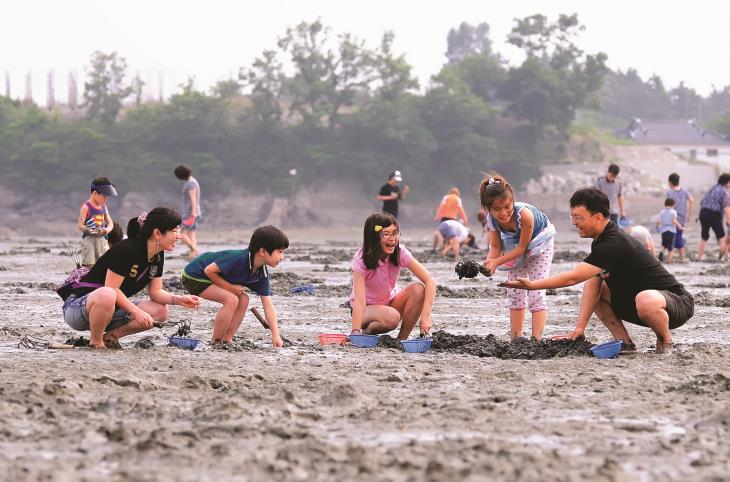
(378, 304)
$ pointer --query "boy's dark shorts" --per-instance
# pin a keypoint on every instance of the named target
(194, 287)
(668, 240)
(679, 239)
(680, 308)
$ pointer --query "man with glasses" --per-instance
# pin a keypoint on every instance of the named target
(623, 281)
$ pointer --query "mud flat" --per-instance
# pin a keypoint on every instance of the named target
(469, 409)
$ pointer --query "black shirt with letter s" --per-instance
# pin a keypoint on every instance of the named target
(630, 268)
(128, 258)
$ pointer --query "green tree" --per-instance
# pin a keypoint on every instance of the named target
(265, 79)
(105, 88)
(467, 41)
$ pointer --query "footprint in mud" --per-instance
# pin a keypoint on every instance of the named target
(340, 395)
(703, 385)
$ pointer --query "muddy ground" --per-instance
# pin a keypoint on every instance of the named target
(341, 413)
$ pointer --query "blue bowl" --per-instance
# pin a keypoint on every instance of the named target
(607, 350)
(416, 345)
(187, 343)
(364, 341)
(307, 289)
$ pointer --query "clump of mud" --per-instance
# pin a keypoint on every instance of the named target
(173, 285)
(77, 341)
(283, 282)
(521, 348)
(567, 256)
(471, 292)
(237, 344)
(145, 343)
(387, 341)
(705, 298)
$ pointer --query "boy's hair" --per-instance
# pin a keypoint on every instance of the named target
(371, 250)
(268, 237)
(674, 179)
(724, 178)
(455, 190)
(614, 169)
(493, 188)
(471, 240)
(164, 219)
(115, 235)
(669, 202)
(100, 181)
(183, 172)
(593, 199)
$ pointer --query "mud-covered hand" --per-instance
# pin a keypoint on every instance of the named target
(490, 265)
(573, 335)
(519, 284)
(425, 324)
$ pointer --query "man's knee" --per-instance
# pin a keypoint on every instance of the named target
(649, 301)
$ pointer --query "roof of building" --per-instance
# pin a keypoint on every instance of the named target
(672, 132)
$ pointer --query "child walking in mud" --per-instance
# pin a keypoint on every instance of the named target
(521, 242)
(223, 277)
(95, 222)
(378, 304)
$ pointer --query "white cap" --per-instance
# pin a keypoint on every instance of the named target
(396, 175)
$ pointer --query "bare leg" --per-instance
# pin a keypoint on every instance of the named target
(539, 318)
(670, 256)
(378, 319)
(157, 311)
(651, 306)
(237, 317)
(516, 320)
(409, 303)
(437, 240)
(701, 249)
(224, 317)
(100, 305)
(605, 313)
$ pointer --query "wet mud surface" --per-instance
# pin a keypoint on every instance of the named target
(474, 407)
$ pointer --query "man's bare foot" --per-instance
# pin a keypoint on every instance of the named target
(663, 347)
(97, 346)
(110, 341)
(628, 347)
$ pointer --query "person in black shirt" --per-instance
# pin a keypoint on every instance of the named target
(391, 193)
(623, 281)
(100, 301)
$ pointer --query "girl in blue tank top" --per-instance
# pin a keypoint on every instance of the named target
(520, 242)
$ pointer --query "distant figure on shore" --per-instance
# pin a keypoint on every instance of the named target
(713, 205)
(391, 194)
(378, 304)
(95, 222)
(611, 187)
(683, 204)
(623, 282)
(450, 208)
(668, 224)
(191, 209)
(521, 241)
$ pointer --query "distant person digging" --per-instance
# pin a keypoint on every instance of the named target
(454, 235)
(622, 280)
(450, 208)
(391, 194)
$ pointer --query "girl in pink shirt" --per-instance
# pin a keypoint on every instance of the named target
(378, 305)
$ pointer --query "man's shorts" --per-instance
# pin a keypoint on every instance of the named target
(668, 240)
(679, 239)
(710, 219)
(77, 317)
(92, 247)
(680, 308)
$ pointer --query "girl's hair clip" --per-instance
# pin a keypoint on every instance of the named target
(378, 228)
(493, 181)
(141, 218)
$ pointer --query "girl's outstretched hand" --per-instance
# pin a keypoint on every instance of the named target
(491, 265)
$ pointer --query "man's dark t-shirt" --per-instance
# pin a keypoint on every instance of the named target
(391, 205)
(630, 268)
(128, 258)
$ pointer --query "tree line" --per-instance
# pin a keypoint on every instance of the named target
(331, 106)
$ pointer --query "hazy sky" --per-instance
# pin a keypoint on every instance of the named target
(211, 39)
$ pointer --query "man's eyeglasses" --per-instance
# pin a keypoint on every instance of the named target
(393, 235)
(576, 219)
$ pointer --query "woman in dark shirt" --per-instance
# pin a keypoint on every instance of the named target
(100, 303)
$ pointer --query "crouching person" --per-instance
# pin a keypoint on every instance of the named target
(100, 299)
